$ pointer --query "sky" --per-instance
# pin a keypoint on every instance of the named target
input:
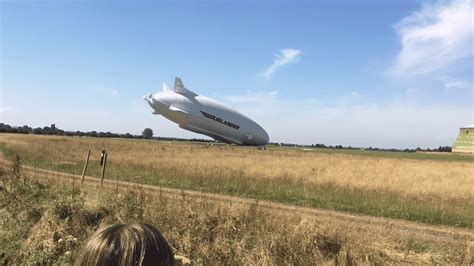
(390, 74)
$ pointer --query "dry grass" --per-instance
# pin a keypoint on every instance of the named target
(446, 186)
(447, 180)
(208, 232)
(408, 177)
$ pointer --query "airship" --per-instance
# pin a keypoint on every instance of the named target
(206, 116)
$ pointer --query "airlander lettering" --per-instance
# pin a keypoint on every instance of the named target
(183, 107)
(220, 120)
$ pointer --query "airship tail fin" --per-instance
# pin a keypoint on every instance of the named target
(165, 87)
(179, 88)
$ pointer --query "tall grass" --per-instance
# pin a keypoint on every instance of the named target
(206, 232)
(438, 192)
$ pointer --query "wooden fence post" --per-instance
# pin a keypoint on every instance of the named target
(103, 169)
(116, 184)
(85, 167)
(16, 171)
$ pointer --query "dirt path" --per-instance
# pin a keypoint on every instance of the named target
(375, 225)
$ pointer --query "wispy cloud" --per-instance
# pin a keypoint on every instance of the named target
(454, 84)
(285, 57)
(434, 37)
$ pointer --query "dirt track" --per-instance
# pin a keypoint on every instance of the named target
(376, 225)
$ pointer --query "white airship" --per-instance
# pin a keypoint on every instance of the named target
(206, 116)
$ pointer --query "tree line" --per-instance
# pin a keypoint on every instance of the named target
(148, 134)
(53, 130)
(340, 147)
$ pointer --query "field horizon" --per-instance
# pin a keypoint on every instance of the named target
(433, 191)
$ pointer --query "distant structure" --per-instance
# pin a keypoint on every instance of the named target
(465, 141)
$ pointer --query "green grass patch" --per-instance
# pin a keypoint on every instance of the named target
(448, 157)
(285, 190)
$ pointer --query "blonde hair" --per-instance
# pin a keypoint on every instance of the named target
(126, 244)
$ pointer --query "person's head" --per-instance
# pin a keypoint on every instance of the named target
(126, 244)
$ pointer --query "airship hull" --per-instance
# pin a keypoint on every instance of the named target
(203, 115)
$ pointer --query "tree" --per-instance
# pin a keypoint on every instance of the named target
(147, 133)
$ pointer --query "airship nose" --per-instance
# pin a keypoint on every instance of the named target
(155, 101)
(147, 97)
(264, 136)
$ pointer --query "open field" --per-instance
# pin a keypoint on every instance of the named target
(433, 156)
(431, 188)
(47, 216)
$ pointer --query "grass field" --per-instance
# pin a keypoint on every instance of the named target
(45, 221)
(433, 156)
(430, 188)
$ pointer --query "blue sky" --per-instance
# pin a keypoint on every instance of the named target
(360, 73)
